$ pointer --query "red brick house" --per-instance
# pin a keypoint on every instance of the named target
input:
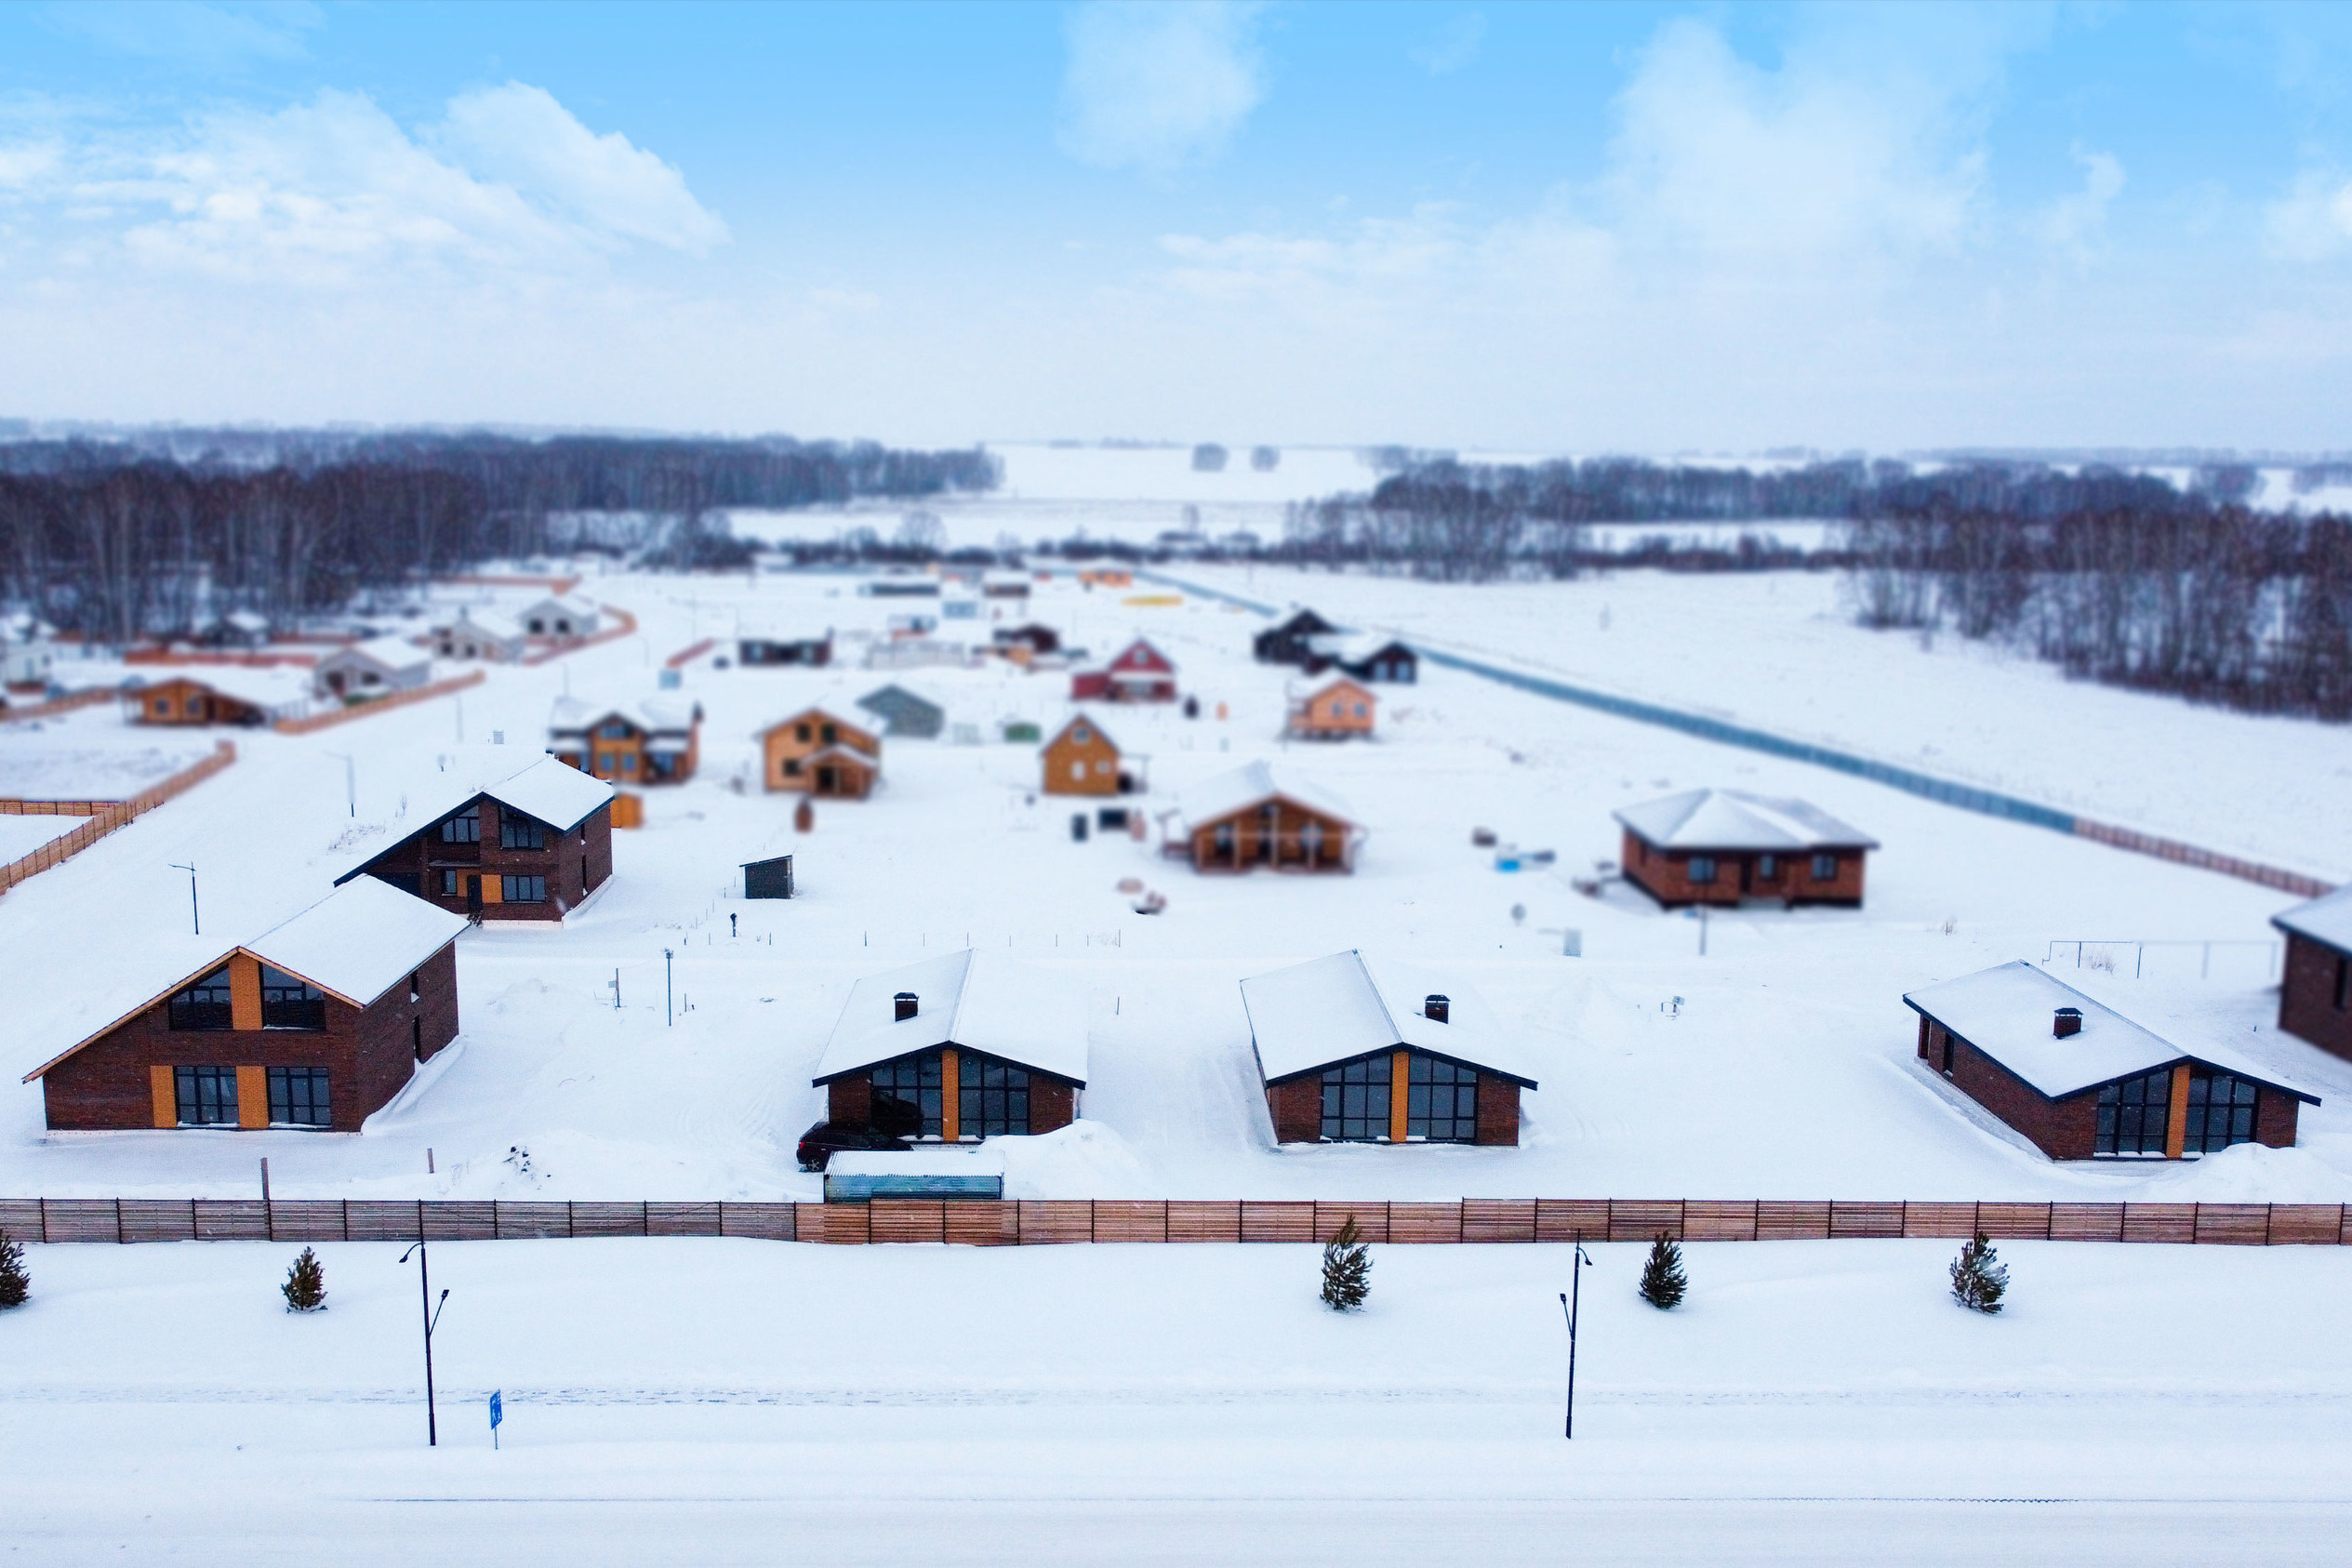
(955, 1049)
(2082, 1082)
(1140, 673)
(2314, 990)
(1358, 1050)
(1253, 817)
(530, 843)
(1723, 846)
(316, 1024)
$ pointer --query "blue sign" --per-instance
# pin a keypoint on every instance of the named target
(497, 1412)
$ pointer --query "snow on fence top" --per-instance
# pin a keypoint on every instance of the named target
(1734, 819)
(972, 1001)
(1337, 1009)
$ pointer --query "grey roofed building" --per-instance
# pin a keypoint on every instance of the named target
(904, 713)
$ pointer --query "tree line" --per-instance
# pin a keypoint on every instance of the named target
(157, 531)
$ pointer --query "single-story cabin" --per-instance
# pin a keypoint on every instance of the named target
(654, 741)
(561, 617)
(1367, 656)
(1287, 643)
(771, 647)
(965, 1046)
(1033, 639)
(1083, 760)
(2314, 990)
(376, 667)
(475, 632)
(1358, 1050)
(904, 714)
(1720, 847)
(2082, 1082)
(1339, 711)
(504, 839)
(826, 757)
(315, 1023)
(223, 695)
(1140, 673)
(1251, 817)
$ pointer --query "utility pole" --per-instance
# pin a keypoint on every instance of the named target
(195, 916)
(667, 1018)
(1569, 1304)
(433, 1318)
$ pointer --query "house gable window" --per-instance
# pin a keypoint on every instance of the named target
(906, 1096)
(2135, 1116)
(465, 827)
(204, 1004)
(518, 832)
(291, 1002)
(1356, 1100)
(615, 730)
(1440, 1103)
(1825, 868)
(1081, 736)
(2221, 1111)
(299, 1098)
(208, 1095)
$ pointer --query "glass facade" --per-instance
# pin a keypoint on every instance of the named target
(204, 1004)
(291, 1002)
(1356, 1100)
(2221, 1111)
(906, 1096)
(1440, 1103)
(208, 1095)
(299, 1098)
(2134, 1117)
(993, 1097)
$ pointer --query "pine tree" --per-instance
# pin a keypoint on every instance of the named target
(305, 1287)
(15, 1283)
(1663, 1283)
(1347, 1269)
(1979, 1279)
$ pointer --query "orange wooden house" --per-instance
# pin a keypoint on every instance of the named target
(1082, 760)
(222, 696)
(821, 755)
(1339, 710)
(659, 741)
(1252, 818)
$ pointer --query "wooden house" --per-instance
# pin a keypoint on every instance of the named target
(503, 842)
(222, 694)
(904, 714)
(654, 741)
(1366, 657)
(2082, 1082)
(2314, 990)
(821, 755)
(1083, 760)
(955, 1049)
(478, 633)
(1721, 846)
(376, 667)
(1140, 673)
(1340, 710)
(1287, 642)
(315, 1024)
(1358, 1050)
(775, 648)
(1251, 817)
(561, 617)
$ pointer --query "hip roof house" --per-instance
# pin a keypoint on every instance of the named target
(1337, 711)
(1358, 1050)
(1720, 847)
(502, 841)
(904, 714)
(1253, 817)
(2082, 1082)
(2314, 991)
(957, 1048)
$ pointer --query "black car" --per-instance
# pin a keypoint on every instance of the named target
(824, 1140)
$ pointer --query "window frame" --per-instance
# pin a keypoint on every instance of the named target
(289, 1002)
(2118, 1109)
(517, 830)
(1362, 1117)
(316, 1096)
(1431, 1083)
(189, 1086)
(181, 1009)
(980, 1080)
(463, 826)
(1829, 858)
(534, 888)
(921, 1074)
(1699, 871)
(2240, 1115)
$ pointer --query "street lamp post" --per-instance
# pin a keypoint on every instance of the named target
(1569, 1304)
(667, 1016)
(431, 1311)
(351, 780)
(195, 916)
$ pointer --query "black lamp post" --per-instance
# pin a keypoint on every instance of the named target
(1569, 1304)
(431, 1311)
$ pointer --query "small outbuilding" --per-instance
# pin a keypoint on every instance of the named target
(1083, 760)
(378, 667)
(2082, 1082)
(820, 755)
(654, 741)
(503, 838)
(1721, 846)
(1253, 817)
(965, 1046)
(905, 715)
(1287, 642)
(776, 647)
(1339, 710)
(1358, 1050)
(223, 695)
(768, 879)
(2315, 989)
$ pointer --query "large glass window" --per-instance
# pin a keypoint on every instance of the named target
(906, 1096)
(994, 1096)
(291, 1002)
(2135, 1116)
(518, 832)
(465, 827)
(208, 1095)
(523, 890)
(204, 1004)
(1440, 1103)
(298, 1097)
(2221, 1111)
(1356, 1100)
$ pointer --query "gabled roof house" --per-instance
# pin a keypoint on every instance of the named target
(1720, 847)
(376, 667)
(820, 755)
(1140, 673)
(504, 838)
(478, 633)
(658, 740)
(222, 694)
(1254, 817)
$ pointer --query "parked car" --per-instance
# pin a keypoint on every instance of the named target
(824, 1140)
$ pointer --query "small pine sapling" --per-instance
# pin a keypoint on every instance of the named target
(1979, 1277)
(1347, 1269)
(15, 1283)
(1663, 1283)
(305, 1287)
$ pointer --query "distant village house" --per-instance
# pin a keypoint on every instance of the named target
(1720, 847)
(221, 696)
(1341, 710)
(376, 667)
(769, 648)
(561, 617)
(1251, 817)
(1287, 642)
(1083, 760)
(905, 715)
(1140, 673)
(821, 756)
(525, 843)
(655, 741)
(2315, 989)
(478, 633)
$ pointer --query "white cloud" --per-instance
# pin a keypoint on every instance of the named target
(2077, 223)
(190, 33)
(2312, 221)
(1452, 47)
(1158, 86)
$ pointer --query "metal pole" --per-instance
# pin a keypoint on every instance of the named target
(432, 1315)
(1570, 1304)
(667, 1018)
(195, 916)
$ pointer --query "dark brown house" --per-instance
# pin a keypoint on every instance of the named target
(2314, 990)
(315, 1025)
(1354, 1050)
(1724, 846)
(532, 845)
(2082, 1082)
(955, 1049)
(1287, 642)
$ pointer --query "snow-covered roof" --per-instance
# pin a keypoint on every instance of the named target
(1083, 717)
(357, 942)
(569, 604)
(2008, 1012)
(816, 715)
(971, 1000)
(1734, 819)
(391, 652)
(264, 687)
(2327, 920)
(652, 714)
(1353, 646)
(538, 786)
(844, 749)
(1338, 1008)
(552, 791)
(1248, 786)
(883, 699)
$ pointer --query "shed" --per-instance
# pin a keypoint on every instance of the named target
(904, 713)
(1720, 847)
(768, 879)
(957, 1048)
(2315, 989)
(1359, 1050)
(781, 647)
(2082, 1082)
(1254, 817)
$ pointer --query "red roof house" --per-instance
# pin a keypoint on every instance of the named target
(1140, 673)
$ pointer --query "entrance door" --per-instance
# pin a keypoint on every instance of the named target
(473, 897)
(1747, 868)
(826, 780)
(1268, 825)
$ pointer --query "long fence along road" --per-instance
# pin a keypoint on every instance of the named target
(1967, 797)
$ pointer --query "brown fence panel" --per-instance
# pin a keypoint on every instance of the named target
(2306, 1225)
(983, 1224)
(231, 1219)
(2013, 1222)
(159, 1219)
(834, 1224)
(1642, 1219)
(1778, 1220)
(80, 1219)
(307, 1219)
(906, 1219)
(1128, 1220)
(682, 1219)
(1198, 1221)
(2233, 1225)
(608, 1219)
(1852, 1221)
(2086, 1222)
(1277, 1222)
(758, 1222)
(1496, 1219)
(375, 1219)
(1441, 1222)
(21, 1219)
(1718, 1220)
(1047, 1221)
(1939, 1219)
(524, 1222)
(1567, 1219)
(2159, 1222)
(472, 1219)
(1372, 1220)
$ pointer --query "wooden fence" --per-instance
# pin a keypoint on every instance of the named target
(117, 814)
(13, 807)
(312, 722)
(89, 696)
(1034, 1223)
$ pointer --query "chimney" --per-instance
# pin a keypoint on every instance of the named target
(905, 1007)
(2065, 1022)
(1437, 1009)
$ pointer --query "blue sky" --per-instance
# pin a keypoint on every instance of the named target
(1640, 227)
